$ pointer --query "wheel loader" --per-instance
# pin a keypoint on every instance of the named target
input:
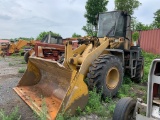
(130, 109)
(99, 62)
(15, 47)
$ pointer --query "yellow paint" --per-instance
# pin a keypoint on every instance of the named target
(18, 45)
(80, 49)
(112, 78)
(32, 68)
(77, 89)
(92, 56)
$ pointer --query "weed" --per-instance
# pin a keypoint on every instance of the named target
(60, 116)
(13, 116)
(127, 80)
(94, 104)
(124, 91)
(11, 64)
(78, 111)
(64, 116)
(111, 107)
(148, 57)
(21, 70)
(14, 54)
(43, 114)
(23, 62)
(108, 99)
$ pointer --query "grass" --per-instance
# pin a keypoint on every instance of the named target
(12, 116)
(43, 115)
(22, 62)
(94, 105)
(148, 57)
(21, 70)
(11, 64)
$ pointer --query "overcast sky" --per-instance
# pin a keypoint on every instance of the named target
(27, 18)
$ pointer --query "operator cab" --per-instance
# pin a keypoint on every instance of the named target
(114, 24)
(52, 39)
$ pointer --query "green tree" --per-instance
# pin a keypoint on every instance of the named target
(127, 5)
(24, 38)
(141, 26)
(136, 26)
(43, 34)
(89, 29)
(135, 36)
(76, 35)
(133, 23)
(93, 8)
(156, 22)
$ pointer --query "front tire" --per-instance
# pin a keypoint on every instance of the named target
(124, 109)
(26, 56)
(106, 74)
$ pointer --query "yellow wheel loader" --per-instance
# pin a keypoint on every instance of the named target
(15, 47)
(98, 62)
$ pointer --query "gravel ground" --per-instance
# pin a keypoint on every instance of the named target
(9, 78)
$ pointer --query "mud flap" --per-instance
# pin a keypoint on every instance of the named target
(49, 82)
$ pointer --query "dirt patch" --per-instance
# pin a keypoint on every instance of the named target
(9, 78)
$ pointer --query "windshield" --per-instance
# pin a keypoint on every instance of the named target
(110, 24)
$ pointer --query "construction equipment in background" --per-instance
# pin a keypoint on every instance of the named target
(100, 61)
(4, 48)
(130, 109)
(15, 47)
(50, 47)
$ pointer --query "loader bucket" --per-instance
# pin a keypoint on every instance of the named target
(48, 81)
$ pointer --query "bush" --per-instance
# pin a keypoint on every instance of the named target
(135, 36)
(21, 70)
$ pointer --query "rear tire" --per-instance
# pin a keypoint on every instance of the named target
(139, 71)
(26, 57)
(124, 109)
(106, 75)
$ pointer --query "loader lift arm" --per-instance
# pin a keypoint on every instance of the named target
(15, 47)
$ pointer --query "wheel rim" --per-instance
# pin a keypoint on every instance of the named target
(112, 78)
